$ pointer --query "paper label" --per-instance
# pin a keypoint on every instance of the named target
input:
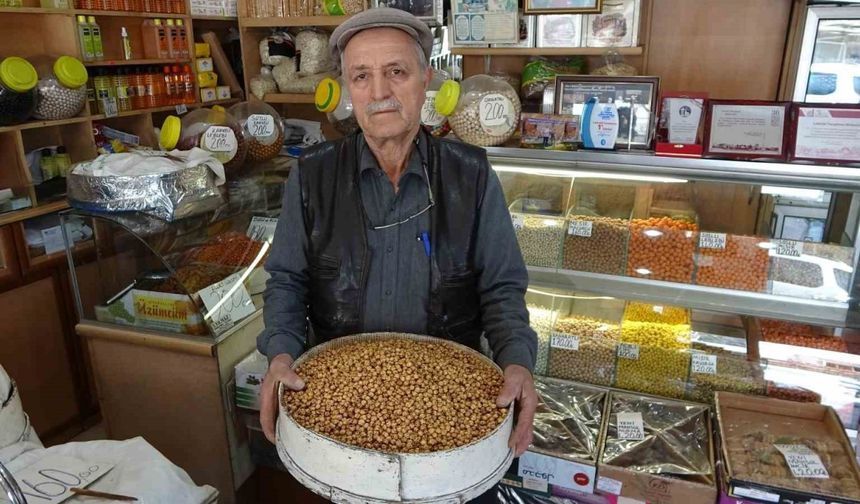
(260, 125)
(704, 363)
(496, 114)
(628, 351)
(630, 426)
(518, 220)
(580, 228)
(756, 494)
(228, 302)
(803, 462)
(556, 472)
(564, 341)
(788, 248)
(537, 485)
(262, 228)
(658, 309)
(110, 107)
(609, 485)
(181, 109)
(53, 238)
(51, 479)
(219, 139)
(712, 240)
(429, 116)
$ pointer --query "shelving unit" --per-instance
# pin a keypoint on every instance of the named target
(115, 63)
(288, 98)
(277, 22)
(128, 14)
(544, 51)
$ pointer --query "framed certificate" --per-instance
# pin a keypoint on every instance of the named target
(559, 30)
(825, 133)
(635, 98)
(484, 22)
(616, 26)
(679, 128)
(746, 129)
(527, 33)
(429, 11)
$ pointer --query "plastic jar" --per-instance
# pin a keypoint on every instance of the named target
(213, 130)
(18, 81)
(433, 121)
(482, 110)
(332, 97)
(261, 124)
(62, 89)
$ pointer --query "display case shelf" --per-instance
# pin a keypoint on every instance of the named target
(276, 22)
(544, 51)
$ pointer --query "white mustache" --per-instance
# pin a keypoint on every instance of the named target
(388, 105)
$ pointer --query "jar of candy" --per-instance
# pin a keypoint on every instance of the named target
(18, 81)
(261, 124)
(61, 90)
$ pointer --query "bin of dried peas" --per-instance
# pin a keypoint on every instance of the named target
(595, 244)
(583, 349)
(540, 238)
(732, 261)
(713, 369)
(662, 248)
(653, 358)
(540, 319)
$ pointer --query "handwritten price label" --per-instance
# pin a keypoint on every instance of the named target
(564, 341)
(429, 116)
(495, 110)
(228, 302)
(630, 426)
(628, 351)
(788, 248)
(219, 139)
(262, 228)
(580, 228)
(704, 363)
(712, 240)
(803, 462)
(518, 220)
(261, 125)
(51, 479)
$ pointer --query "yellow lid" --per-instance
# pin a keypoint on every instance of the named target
(218, 108)
(82, 19)
(170, 132)
(447, 97)
(91, 19)
(179, 22)
(327, 95)
(157, 22)
(201, 50)
(70, 72)
(18, 74)
(170, 22)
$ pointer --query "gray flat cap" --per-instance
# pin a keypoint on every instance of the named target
(380, 17)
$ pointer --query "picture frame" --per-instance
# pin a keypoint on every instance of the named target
(617, 25)
(429, 11)
(824, 133)
(746, 129)
(680, 123)
(558, 30)
(636, 94)
(483, 22)
(563, 6)
(527, 33)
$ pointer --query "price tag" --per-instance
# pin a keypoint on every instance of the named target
(537, 485)
(704, 363)
(609, 485)
(110, 107)
(181, 109)
(580, 228)
(630, 426)
(495, 112)
(712, 240)
(51, 479)
(262, 228)
(219, 139)
(628, 351)
(788, 248)
(429, 116)
(803, 462)
(53, 239)
(261, 125)
(564, 341)
(227, 302)
(518, 221)
(658, 309)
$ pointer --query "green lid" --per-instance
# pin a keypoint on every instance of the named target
(447, 97)
(170, 130)
(18, 74)
(70, 72)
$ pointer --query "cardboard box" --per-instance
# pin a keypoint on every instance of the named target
(223, 92)
(208, 95)
(205, 65)
(249, 378)
(740, 415)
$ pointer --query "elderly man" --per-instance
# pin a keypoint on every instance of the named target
(391, 229)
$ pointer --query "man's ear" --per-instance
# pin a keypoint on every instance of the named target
(428, 75)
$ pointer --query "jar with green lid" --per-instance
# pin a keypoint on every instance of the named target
(61, 90)
(433, 121)
(18, 81)
(332, 98)
(482, 110)
(213, 130)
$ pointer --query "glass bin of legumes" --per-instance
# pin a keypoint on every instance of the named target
(541, 318)
(584, 338)
(482, 110)
(596, 231)
(662, 248)
(715, 369)
(539, 231)
(654, 352)
(809, 270)
(732, 261)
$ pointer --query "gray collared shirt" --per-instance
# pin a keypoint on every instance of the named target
(398, 282)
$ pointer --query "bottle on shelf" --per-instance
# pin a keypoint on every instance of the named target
(120, 84)
(182, 31)
(47, 164)
(85, 39)
(102, 85)
(170, 94)
(63, 161)
(91, 96)
(126, 45)
(173, 44)
(188, 84)
(137, 81)
(98, 48)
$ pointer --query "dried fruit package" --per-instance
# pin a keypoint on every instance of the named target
(568, 419)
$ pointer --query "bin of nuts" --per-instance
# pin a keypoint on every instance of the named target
(732, 262)
(482, 110)
(384, 417)
(653, 358)
(583, 349)
(540, 238)
(716, 370)
(662, 248)
(595, 244)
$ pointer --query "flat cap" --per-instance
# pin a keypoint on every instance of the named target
(380, 17)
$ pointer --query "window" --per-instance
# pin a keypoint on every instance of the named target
(829, 69)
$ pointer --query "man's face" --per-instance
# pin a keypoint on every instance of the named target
(384, 77)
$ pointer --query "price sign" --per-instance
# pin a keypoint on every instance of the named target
(712, 240)
(518, 221)
(53, 239)
(219, 139)
(628, 351)
(658, 309)
(788, 248)
(261, 125)
(181, 109)
(580, 228)
(51, 479)
(228, 302)
(630, 426)
(495, 110)
(262, 228)
(110, 107)
(704, 364)
(564, 341)
(609, 485)
(803, 462)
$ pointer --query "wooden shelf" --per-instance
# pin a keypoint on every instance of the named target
(110, 63)
(36, 211)
(128, 14)
(43, 124)
(33, 10)
(544, 51)
(289, 98)
(228, 19)
(274, 22)
(166, 108)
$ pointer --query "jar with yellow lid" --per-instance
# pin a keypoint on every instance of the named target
(18, 81)
(332, 98)
(482, 110)
(213, 130)
(433, 121)
(61, 90)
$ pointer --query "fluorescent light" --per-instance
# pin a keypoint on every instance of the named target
(567, 296)
(501, 167)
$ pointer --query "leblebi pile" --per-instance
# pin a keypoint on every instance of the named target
(398, 395)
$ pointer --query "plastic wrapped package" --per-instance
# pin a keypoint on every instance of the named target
(505, 494)
(653, 358)
(583, 349)
(614, 66)
(341, 7)
(677, 439)
(732, 261)
(277, 48)
(481, 110)
(595, 244)
(540, 72)
(662, 248)
(332, 98)
(213, 130)
(62, 89)
(262, 126)
(303, 85)
(316, 58)
(262, 85)
(540, 238)
(568, 419)
(433, 121)
(18, 81)
(540, 319)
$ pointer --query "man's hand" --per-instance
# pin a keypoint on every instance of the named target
(520, 387)
(279, 372)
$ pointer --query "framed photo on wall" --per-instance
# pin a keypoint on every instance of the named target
(635, 98)
(559, 30)
(746, 129)
(563, 6)
(429, 11)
